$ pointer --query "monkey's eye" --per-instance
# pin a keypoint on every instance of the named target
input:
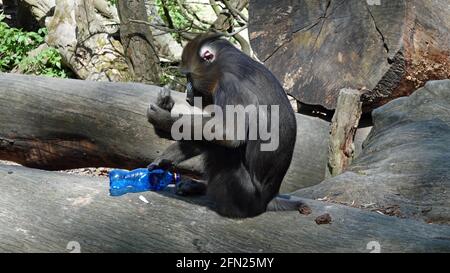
(208, 56)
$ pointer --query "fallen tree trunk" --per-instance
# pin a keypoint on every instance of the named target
(404, 168)
(63, 124)
(49, 212)
(385, 49)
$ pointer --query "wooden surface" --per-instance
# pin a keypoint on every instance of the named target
(43, 211)
(404, 166)
(138, 43)
(85, 40)
(316, 48)
(58, 124)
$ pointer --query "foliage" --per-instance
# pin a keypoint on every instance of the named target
(47, 63)
(172, 14)
(15, 45)
(170, 75)
(174, 10)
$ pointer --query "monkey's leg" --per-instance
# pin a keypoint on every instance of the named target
(172, 156)
(191, 187)
(237, 195)
(176, 153)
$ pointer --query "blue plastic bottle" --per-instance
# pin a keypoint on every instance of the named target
(138, 180)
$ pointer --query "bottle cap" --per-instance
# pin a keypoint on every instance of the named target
(176, 177)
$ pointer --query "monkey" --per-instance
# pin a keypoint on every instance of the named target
(241, 179)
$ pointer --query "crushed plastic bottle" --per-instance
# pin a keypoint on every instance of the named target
(139, 180)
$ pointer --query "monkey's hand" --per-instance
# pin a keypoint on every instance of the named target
(160, 163)
(165, 101)
(159, 117)
(159, 114)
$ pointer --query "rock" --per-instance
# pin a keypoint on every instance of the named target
(305, 210)
(323, 219)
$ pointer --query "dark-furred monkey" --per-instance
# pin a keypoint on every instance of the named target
(242, 179)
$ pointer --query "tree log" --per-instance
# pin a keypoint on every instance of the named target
(59, 124)
(386, 49)
(44, 211)
(138, 43)
(404, 168)
(345, 121)
(86, 42)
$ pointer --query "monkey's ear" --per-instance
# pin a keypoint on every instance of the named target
(207, 54)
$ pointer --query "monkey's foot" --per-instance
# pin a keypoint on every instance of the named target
(281, 203)
(189, 187)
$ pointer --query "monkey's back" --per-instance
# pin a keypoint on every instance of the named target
(247, 82)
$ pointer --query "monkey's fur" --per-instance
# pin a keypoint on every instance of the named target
(242, 180)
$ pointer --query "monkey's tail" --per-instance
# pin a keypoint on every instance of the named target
(286, 203)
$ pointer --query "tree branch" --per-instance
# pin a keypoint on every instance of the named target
(238, 15)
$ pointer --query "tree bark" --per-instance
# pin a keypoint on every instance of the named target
(386, 49)
(341, 149)
(138, 42)
(44, 211)
(404, 168)
(64, 124)
(167, 46)
(85, 41)
(39, 9)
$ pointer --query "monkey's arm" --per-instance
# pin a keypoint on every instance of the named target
(159, 115)
(162, 119)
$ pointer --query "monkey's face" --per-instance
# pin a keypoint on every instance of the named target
(198, 63)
